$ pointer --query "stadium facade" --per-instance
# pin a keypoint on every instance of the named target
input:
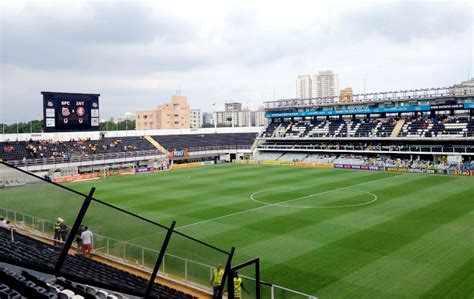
(411, 130)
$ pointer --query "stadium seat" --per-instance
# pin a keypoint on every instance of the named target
(32, 251)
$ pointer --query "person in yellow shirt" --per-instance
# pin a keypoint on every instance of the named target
(216, 280)
(238, 286)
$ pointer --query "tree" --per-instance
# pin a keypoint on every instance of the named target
(36, 126)
(114, 126)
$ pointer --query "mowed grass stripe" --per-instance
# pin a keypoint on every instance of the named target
(229, 199)
(259, 207)
(304, 249)
(324, 217)
(284, 220)
(458, 284)
(366, 246)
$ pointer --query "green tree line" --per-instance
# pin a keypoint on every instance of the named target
(36, 126)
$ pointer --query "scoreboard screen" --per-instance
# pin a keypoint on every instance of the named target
(64, 112)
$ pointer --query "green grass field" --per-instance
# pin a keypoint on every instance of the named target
(327, 232)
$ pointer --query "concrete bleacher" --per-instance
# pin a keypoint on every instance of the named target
(196, 141)
(438, 127)
(381, 127)
(19, 150)
(39, 254)
(66, 149)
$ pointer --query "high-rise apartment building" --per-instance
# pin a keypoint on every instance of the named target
(195, 120)
(236, 116)
(303, 87)
(324, 84)
(233, 106)
(260, 119)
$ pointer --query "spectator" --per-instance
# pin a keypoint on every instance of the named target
(238, 286)
(79, 239)
(63, 230)
(4, 223)
(57, 232)
(216, 280)
(86, 238)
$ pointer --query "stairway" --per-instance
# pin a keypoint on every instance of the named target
(157, 145)
(255, 144)
(288, 127)
(397, 128)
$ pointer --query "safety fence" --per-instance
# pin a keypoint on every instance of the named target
(397, 148)
(33, 205)
(95, 159)
(173, 267)
(394, 168)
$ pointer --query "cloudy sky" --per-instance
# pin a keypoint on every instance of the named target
(137, 54)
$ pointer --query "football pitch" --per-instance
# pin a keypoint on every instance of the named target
(327, 232)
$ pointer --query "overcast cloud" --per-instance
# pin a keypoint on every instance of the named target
(137, 54)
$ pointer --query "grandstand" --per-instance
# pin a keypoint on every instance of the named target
(430, 128)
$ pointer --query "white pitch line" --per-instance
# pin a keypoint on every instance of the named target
(278, 204)
(275, 204)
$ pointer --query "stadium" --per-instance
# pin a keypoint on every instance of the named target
(368, 198)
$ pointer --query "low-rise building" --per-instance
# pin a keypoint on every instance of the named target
(172, 115)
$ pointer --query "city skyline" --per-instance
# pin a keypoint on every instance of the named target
(220, 52)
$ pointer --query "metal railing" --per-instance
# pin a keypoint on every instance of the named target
(392, 96)
(173, 267)
(52, 161)
(467, 149)
(84, 158)
(365, 135)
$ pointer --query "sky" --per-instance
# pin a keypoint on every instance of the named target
(137, 54)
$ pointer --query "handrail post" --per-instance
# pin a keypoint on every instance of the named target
(73, 232)
(161, 255)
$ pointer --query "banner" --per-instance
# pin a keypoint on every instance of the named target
(180, 152)
(267, 162)
(447, 106)
(77, 177)
(397, 169)
(417, 170)
(410, 108)
(316, 165)
(464, 172)
(186, 165)
(120, 172)
(359, 167)
(144, 169)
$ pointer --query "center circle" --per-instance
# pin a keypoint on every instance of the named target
(285, 203)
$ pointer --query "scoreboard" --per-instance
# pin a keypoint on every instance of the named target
(65, 112)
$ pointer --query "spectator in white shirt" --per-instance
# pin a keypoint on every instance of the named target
(86, 238)
(4, 223)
